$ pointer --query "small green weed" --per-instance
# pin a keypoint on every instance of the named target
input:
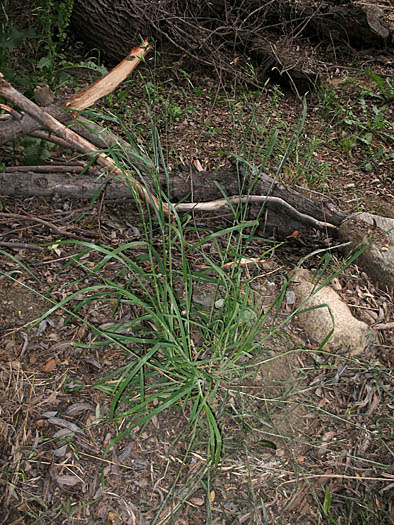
(308, 166)
(54, 19)
(327, 507)
(161, 102)
(362, 123)
(385, 91)
(35, 151)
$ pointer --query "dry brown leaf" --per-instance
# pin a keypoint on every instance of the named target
(50, 365)
(60, 422)
(77, 408)
(67, 480)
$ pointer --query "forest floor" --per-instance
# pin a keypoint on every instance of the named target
(308, 437)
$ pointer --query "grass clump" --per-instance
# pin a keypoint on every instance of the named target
(179, 348)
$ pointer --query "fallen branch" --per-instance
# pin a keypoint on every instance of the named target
(50, 137)
(109, 82)
(30, 181)
(265, 199)
(60, 231)
(21, 245)
(285, 210)
(74, 140)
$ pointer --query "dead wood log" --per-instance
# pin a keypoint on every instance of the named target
(30, 181)
(280, 210)
(360, 24)
(268, 35)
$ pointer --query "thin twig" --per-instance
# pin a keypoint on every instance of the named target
(21, 245)
(49, 137)
(49, 225)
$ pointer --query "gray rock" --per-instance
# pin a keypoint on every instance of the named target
(376, 235)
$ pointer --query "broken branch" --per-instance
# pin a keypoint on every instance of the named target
(75, 141)
(109, 82)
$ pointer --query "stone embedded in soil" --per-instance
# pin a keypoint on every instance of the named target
(350, 335)
(377, 234)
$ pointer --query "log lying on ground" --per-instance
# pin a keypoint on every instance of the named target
(359, 23)
(280, 209)
(267, 36)
(228, 22)
(280, 217)
(31, 182)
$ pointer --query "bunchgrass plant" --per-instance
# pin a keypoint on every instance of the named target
(165, 367)
(179, 352)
